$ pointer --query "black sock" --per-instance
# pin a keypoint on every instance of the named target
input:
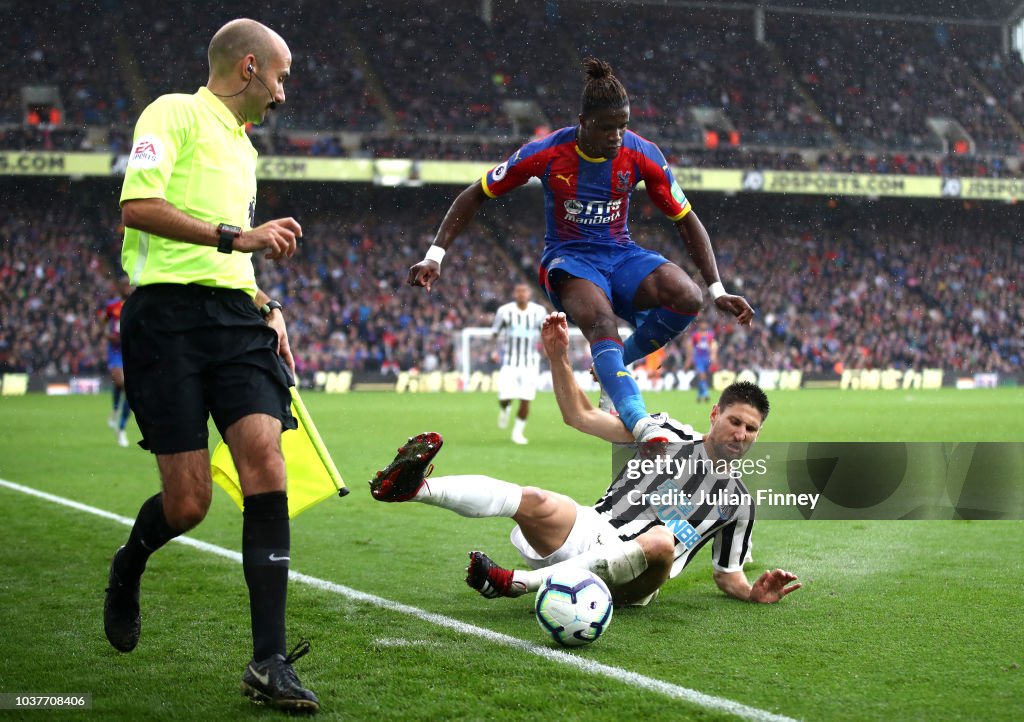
(266, 544)
(149, 533)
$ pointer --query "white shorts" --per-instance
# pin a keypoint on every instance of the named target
(589, 531)
(517, 383)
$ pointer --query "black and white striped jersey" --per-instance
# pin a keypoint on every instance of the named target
(520, 331)
(689, 495)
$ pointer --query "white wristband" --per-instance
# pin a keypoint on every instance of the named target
(717, 290)
(435, 254)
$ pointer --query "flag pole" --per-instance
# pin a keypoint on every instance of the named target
(318, 443)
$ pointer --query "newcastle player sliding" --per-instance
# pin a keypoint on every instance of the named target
(635, 548)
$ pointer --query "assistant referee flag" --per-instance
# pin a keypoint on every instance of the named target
(312, 475)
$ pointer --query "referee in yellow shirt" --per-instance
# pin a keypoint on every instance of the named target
(200, 339)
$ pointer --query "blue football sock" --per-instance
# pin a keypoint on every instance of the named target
(660, 326)
(702, 387)
(126, 411)
(117, 398)
(620, 385)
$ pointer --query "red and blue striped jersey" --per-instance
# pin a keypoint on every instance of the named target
(703, 342)
(111, 314)
(587, 199)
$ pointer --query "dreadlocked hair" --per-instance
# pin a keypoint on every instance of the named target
(601, 89)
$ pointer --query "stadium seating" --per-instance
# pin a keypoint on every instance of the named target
(879, 83)
(55, 275)
(847, 286)
(708, 62)
(351, 309)
(426, 79)
(34, 51)
(348, 305)
(1003, 76)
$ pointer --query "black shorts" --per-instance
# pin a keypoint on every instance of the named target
(195, 351)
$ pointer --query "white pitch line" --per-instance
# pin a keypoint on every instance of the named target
(577, 661)
(402, 642)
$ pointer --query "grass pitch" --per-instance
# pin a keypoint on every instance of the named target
(897, 620)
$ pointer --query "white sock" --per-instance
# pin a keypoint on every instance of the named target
(616, 565)
(503, 416)
(472, 495)
(644, 428)
(517, 429)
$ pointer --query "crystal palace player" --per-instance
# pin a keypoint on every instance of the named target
(111, 315)
(702, 355)
(590, 268)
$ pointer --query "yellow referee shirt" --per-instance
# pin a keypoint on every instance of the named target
(190, 151)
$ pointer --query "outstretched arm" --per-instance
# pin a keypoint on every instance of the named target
(577, 411)
(698, 245)
(770, 587)
(462, 211)
(157, 216)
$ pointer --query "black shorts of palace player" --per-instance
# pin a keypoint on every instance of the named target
(193, 351)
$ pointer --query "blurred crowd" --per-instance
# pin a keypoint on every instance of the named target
(429, 79)
(879, 86)
(835, 286)
(56, 255)
(349, 307)
(74, 51)
(842, 286)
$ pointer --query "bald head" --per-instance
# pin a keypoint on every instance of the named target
(239, 38)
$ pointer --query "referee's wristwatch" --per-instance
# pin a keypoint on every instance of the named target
(227, 235)
(269, 307)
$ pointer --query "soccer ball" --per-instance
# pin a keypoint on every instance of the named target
(574, 607)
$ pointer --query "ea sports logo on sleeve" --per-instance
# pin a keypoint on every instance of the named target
(147, 152)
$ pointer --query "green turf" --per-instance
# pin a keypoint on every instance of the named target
(898, 620)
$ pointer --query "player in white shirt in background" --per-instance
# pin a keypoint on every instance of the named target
(518, 324)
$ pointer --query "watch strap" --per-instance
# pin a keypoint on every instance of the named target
(270, 306)
(227, 235)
